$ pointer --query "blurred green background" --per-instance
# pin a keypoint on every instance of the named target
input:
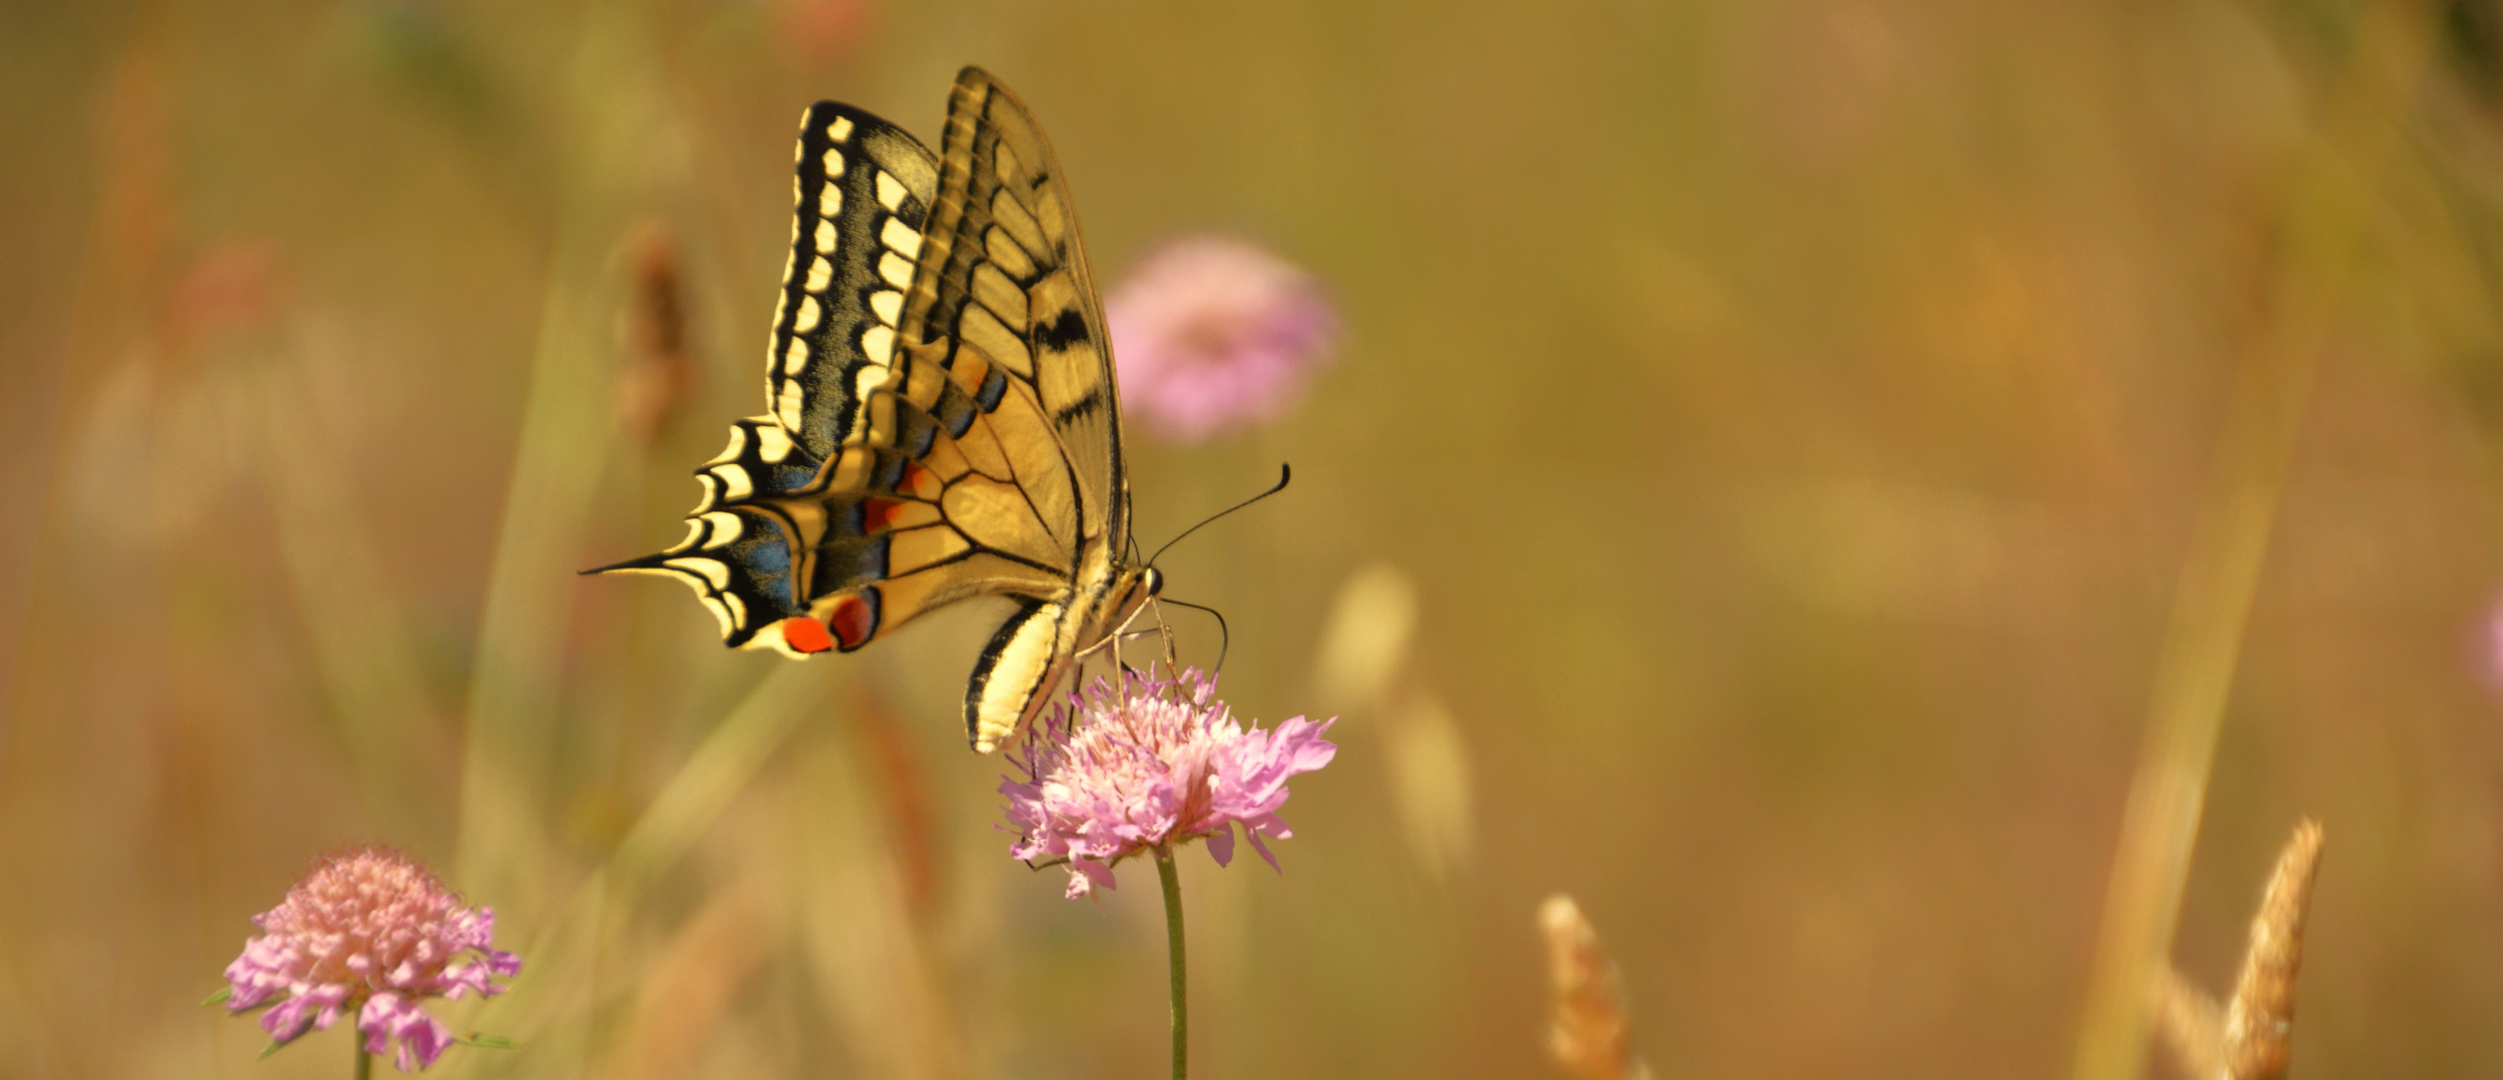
(1787, 418)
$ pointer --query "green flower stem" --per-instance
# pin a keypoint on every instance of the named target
(364, 1058)
(1173, 949)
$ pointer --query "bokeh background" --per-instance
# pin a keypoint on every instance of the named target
(1751, 497)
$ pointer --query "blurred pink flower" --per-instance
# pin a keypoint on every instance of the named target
(1159, 763)
(2489, 645)
(1212, 333)
(369, 930)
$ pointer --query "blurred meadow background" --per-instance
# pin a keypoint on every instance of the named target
(1777, 454)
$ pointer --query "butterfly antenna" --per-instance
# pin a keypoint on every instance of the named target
(1225, 638)
(1284, 474)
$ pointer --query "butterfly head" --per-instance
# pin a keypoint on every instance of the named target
(1132, 587)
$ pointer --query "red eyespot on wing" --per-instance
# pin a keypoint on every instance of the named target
(854, 620)
(805, 634)
(913, 478)
(875, 513)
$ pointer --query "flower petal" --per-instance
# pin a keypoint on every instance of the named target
(378, 1019)
(1221, 844)
(289, 1020)
(504, 964)
(1254, 836)
(424, 1038)
(1085, 875)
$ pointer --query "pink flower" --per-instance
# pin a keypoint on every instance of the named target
(2490, 644)
(1161, 762)
(1213, 334)
(368, 930)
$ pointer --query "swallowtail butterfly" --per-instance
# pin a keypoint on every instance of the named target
(942, 420)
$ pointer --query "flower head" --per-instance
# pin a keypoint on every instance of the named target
(368, 930)
(1158, 762)
(1212, 333)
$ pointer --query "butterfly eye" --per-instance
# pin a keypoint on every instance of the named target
(1155, 581)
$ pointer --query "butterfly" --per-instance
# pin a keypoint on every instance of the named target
(942, 417)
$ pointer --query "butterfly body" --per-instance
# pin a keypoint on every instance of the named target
(942, 422)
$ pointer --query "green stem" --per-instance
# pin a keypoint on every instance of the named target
(364, 1058)
(1173, 948)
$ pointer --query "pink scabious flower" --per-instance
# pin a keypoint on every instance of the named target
(368, 930)
(1155, 763)
(1213, 334)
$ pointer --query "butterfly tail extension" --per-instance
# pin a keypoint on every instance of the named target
(742, 582)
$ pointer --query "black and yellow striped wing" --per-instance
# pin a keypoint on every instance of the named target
(943, 421)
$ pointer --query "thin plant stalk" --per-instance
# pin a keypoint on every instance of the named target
(696, 795)
(364, 1058)
(2194, 678)
(2323, 227)
(612, 105)
(360, 640)
(1173, 949)
(884, 978)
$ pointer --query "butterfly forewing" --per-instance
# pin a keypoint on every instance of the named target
(1005, 278)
